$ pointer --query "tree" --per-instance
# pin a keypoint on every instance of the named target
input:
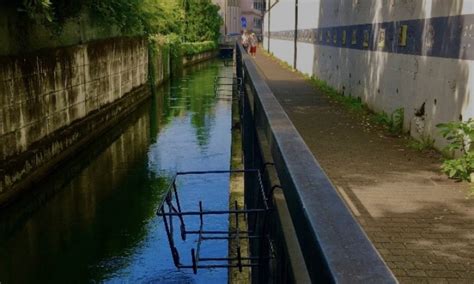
(203, 21)
(132, 17)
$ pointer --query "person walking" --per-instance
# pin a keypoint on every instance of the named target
(246, 40)
(253, 45)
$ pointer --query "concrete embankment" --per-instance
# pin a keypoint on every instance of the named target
(54, 101)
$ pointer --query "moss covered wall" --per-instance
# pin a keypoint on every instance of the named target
(59, 93)
(160, 63)
(18, 35)
(52, 99)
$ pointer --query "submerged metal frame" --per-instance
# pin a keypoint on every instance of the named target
(235, 85)
(169, 209)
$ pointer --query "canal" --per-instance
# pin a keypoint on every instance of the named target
(93, 220)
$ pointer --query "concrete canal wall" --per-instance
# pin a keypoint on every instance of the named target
(408, 54)
(60, 91)
(200, 57)
(53, 100)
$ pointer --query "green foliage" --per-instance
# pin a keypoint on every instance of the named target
(197, 20)
(191, 48)
(460, 168)
(179, 48)
(172, 18)
(174, 42)
(381, 118)
(352, 103)
(124, 14)
(202, 21)
(459, 136)
(424, 144)
(325, 88)
(396, 125)
(37, 10)
(393, 122)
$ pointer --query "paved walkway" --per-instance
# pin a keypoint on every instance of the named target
(421, 223)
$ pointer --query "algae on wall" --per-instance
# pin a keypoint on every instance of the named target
(46, 95)
(159, 62)
(18, 36)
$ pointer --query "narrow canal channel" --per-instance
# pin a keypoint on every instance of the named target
(94, 219)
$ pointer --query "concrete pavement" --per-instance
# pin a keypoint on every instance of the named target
(421, 222)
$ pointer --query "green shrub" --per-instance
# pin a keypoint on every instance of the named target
(425, 143)
(201, 21)
(193, 20)
(460, 168)
(459, 136)
(354, 104)
(393, 122)
(396, 121)
(38, 11)
(191, 48)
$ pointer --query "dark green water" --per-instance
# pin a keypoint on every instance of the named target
(94, 219)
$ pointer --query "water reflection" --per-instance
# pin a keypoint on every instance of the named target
(94, 219)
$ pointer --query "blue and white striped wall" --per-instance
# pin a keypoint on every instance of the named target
(410, 54)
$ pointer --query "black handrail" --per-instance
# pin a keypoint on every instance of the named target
(334, 246)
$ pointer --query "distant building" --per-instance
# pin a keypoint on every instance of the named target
(252, 10)
(231, 16)
(232, 12)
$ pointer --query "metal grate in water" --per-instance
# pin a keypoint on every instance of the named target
(227, 86)
(171, 211)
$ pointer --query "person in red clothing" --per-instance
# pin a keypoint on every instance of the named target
(253, 45)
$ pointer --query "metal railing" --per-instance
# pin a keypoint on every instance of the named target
(334, 246)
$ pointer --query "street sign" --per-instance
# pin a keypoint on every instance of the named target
(243, 22)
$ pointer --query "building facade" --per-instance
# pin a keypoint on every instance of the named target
(252, 11)
(235, 12)
(230, 12)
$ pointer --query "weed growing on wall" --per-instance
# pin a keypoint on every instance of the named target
(425, 143)
(352, 103)
(459, 135)
(393, 122)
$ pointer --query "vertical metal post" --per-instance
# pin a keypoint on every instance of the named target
(296, 35)
(225, 18)
(268, 29)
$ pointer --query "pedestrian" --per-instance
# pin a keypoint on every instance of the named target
(245, 40)
(253, 45)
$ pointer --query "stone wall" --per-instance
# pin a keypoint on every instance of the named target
(408, 54)
(200, 57)
(52, 101)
